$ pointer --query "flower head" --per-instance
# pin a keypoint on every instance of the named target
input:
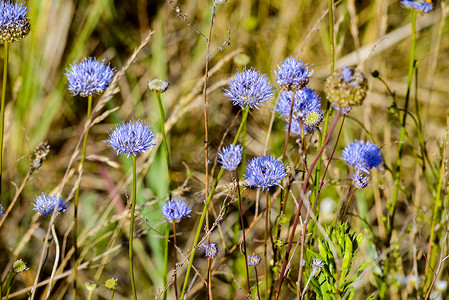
(230, 157)
(346, 87)
(14, 24)
(210, 250)
(253, 260)
(111, 283)
(292, 74)
(249, 89)
(306, 110)
(158, 85)
(175, 210)
(89, 77)
(45, 204)
(264, 172)
(420, 5)
(19, 266)
(362, 156)
(132, 137)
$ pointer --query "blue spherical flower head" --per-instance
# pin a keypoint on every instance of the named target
(253, 260)
(420, 5)
(45, 204)
(2, 211)
(264, 172)
(14, 24)
(249, 89)
(362, 156)
(132, 138)
(230, 157)
(89, 77)
(292, 74)
(175, 210)
(210, 250)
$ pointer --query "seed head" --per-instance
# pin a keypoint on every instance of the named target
(19, 266)
(40, 154)
(45, 204)
(89, 77)
(91, 286)
(292, 74)
(175, 210)
(14, 24)
(346, 87)
(249, 89)
(230, 157)
(111, 283)
(158, 85)
(132, 138)
(264, 172)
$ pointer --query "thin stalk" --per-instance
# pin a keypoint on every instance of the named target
(265, 249)
(257, 283)
(12, 276)
(2, 121)
(206, 206)
(77, 195)
(287, 134)
(392, 208)
(131, 229)
(16, 196)
(331, 33)
(347, 202)
(55, 264)
(112, 296)
(175, 284)
(298, 288)
(298, 212)
(243, 230)
(167, 235)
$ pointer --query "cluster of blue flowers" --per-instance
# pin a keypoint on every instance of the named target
(265, 171)
(362, 157)
(253, 260)
(175, 210)
(14, 24)
(420, 5)
(210, 250)
(230, 157)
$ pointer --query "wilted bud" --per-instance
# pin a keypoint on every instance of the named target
(91, 286)
(346, 87)
(40, 154)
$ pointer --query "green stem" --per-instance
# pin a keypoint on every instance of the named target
(131, 229)
(392, 207)
(265, 249)
(2, 121)
(112, 296)
(331, 34)
(77, 195)
(167, 160)
(206, 205)
(175, 285)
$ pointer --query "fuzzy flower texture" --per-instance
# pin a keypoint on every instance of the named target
(175, 210)
(230, 157)
(292, 74)
(362, 156)
(264, 172)
(45, 204)
(14, 24)
(306, 113)
(249, 89)
(420, 5)
(89, 77)
(132, 138)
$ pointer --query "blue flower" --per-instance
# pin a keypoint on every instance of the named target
(132, 137)
(45, 204)
(175, 210)
(2, 211)
(420, 5)
(292, 74)
(89, 77)
(306, 110)
(362, 156)
(230, 157)
(14, 24)
(253, 260)
(264, 172)
(359, 179)
(210, 250)
(249, 89)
